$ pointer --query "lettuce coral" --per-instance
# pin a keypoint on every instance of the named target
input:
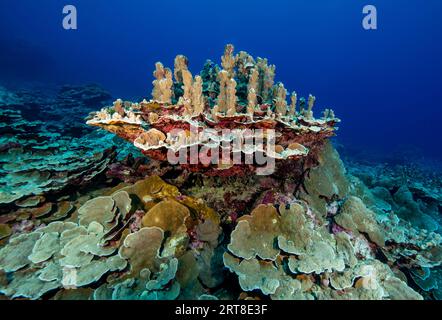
(307, 230)
(354, 216)
(306, 247)
(107, 244)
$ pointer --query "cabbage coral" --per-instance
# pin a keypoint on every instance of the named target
(320, 264)
(146, 248)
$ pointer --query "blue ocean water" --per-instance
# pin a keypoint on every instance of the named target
(384, 84)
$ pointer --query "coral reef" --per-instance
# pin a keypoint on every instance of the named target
(45, 148)
(60, 109)
(149, 241)
(80, 219)
(406, 201)
(300, 252)
(34, 161)
(245, 100)
(414, 195)
(123, 244)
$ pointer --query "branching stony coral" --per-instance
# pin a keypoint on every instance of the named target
(162, 85)
(228, 60)
(246, 100)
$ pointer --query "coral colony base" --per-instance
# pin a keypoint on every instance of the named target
(242, 197)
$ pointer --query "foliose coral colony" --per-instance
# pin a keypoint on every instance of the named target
(217, 228)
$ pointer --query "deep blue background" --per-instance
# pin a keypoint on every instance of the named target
(385, 85)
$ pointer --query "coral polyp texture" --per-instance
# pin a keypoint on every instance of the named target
(191, 120)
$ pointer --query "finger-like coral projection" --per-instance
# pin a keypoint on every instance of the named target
(163, 84)
(281, 100)
(189, 129)
(228, 60)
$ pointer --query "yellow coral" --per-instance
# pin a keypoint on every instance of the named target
(228, 60)
(162, 90)
(181, 64)
(197, 96)
(293, 99)
(281, 102)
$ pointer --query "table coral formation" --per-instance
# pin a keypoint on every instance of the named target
(241, 96)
